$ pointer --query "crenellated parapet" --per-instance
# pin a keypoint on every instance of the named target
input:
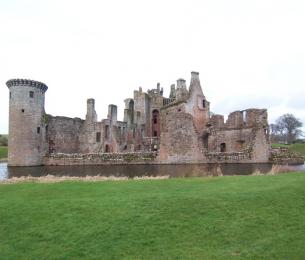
(27, 83)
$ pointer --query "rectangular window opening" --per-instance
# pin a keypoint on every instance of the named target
(134, 133)
(38, 130)
(98, 137)
(106, 131)
(31, 94)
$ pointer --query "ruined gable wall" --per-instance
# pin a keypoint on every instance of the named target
(197, 105)
(141, 105)
(217, 121)
(235, 140)
(155, 103)
(63, 134)
(235, 120)
(109, 137)
(179, 140)
(200, 115)
(119, 133)
(88, 137)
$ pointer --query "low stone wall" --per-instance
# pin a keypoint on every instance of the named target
(277, 156)
(284, 156)
(100, 158)
(233, 157)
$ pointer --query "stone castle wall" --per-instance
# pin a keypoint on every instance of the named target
(63, 134)
(178, 129)
(179, 139)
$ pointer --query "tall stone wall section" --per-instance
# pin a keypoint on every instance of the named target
(235, 140)
(63, 134)
(179, 139)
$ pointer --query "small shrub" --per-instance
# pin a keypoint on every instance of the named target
(3, 140)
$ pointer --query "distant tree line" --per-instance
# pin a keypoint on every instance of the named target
(3, 140)
(286, 129)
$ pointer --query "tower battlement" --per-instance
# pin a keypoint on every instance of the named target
(28, 83)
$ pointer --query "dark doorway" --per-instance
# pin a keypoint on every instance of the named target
(107, 149)
(222, 147)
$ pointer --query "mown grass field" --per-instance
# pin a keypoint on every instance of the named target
(193, 218)
(3, 152)
(299, 148)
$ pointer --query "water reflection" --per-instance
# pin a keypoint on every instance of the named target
(191, 170)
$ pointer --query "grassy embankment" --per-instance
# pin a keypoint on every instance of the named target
(299, 148)
(203, 218)
(3, 152)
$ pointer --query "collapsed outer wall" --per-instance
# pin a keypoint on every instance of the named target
(179, 140)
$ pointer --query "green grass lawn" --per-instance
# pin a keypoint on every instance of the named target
(192, 218)
(299, 148)
(3, 152)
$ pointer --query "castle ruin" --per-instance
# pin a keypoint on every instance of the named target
(155, 129)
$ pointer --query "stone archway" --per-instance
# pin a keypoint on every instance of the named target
(223, 147)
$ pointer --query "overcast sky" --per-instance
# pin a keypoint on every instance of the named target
(249, 53)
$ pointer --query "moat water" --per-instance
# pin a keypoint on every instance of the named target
(190, 170)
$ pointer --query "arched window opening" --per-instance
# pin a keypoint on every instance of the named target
(107, 148)
(222, 147)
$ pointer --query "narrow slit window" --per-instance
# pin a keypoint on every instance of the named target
(38, 130)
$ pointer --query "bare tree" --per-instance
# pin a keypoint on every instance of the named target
(288, 127)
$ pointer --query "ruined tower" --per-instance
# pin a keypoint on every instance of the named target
(27, 122)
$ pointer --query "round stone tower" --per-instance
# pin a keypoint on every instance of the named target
(27, 122)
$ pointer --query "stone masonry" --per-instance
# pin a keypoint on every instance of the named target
(177, 129)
